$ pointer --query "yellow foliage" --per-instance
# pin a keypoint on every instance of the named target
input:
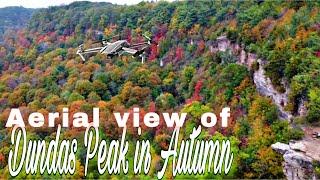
(286, 18)
(280, 44)
(246, 30)
(314, 12)
(195, 29)
(302, 34)
(268, 162)
(108, 31)
(102, 104)
(244, 84)
(262, 29)
(85, 75)
(138, 30)
(3, 50)
(233, 24)
(173, 23)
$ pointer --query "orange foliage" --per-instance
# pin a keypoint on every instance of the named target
(233, 24)
(19, 51)
(2, 160)
(262, 29)
(286, 18)
(201, 47)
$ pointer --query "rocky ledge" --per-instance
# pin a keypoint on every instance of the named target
(297, 163)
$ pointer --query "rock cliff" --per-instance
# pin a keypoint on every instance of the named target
(297, 164)
(262, 82)
(298, 155)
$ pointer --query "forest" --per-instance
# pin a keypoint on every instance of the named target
(40, 72)
(13, 18)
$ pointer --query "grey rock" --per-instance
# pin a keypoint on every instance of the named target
(298, 164)
(298, 146)
(262, 82)
(280, 147)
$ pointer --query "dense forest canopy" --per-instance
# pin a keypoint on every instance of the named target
(41, 72)
(13, 17)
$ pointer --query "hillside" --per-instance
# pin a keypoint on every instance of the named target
(40, 71)
(13, 18)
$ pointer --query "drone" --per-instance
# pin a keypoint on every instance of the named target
(117, 48)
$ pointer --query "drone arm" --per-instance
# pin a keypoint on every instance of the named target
(130, 50)
(82, 57)
(148, 38)
(92, 50)
(81, 52)
(139, 44)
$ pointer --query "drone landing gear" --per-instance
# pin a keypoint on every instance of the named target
(143, 57)
(110, 56)
(141, 54)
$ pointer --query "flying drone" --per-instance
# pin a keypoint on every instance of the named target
(118, 47)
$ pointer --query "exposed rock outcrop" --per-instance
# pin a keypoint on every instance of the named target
(297, 165)
(265, 88)
(298, 155)
(262, 82)
(302, 109)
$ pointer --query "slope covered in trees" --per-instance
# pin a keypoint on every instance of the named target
(13, 18)
(41, 72)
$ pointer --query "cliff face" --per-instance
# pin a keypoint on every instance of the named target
(298, 157)
(297, 164)
(262, 82)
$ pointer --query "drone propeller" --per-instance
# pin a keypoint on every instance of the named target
(105, 39)
(148, 38)
(95, 42)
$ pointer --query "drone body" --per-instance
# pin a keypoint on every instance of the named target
(119, 48)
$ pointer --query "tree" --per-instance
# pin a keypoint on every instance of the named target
(18, 96)
(75, 97)
(231, 77)
(196, 94)
(165, 101)
(83, 87)
(93, 97)
(195, 110)
(314, 105)
(268, 164)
